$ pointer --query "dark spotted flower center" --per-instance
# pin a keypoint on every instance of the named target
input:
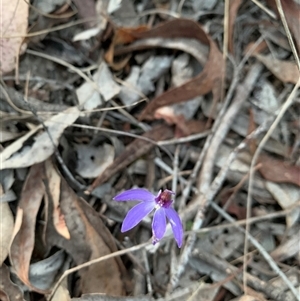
(164, 199)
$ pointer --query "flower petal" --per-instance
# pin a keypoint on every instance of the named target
(176, 225)
(159, 224)
(136, 194)
(136, 214)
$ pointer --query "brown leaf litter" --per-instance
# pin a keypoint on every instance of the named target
(89, 237)
(97, 51)
(208, 80)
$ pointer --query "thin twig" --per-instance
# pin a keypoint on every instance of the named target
(148, 273)
(65, 64)
(265, 9)
(10, 102)
(159, 162)
(96, 260)
(186, 139)
(53, 29)
(173, 261)
(175, 168)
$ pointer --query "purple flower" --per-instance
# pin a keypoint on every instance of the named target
(162, 205)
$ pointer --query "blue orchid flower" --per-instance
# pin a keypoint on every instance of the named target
(163, 210)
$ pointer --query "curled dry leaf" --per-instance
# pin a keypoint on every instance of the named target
(132, 152)
(8, 290)
(279, 171)
(17, 155)
(13, 22)
(208, 80)
(90, 239)
(286, 71)
(121, 36)
(183, 68)
(43, 273)
(24, 233)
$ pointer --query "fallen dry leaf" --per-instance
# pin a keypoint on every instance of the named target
(291, 11)
(86, 9)
(233, 208)
(91, 239)
(121, 36)
(6, 230)
(88, 97)
(286, 196)
(24, 234)
(18, 154)
(141, 80)
(43, 273)
(286, 71)
(253, 47)
(93, 160)
(208, 80)
(289, 248)
(54, 181)
(13, 16)
(167, 113)
(205, 292)
(182, 71)
(62, 293)
(8, 290)
(249, 298)
(132, 152)
(279, 171)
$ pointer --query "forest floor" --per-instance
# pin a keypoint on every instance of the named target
(102, 96)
